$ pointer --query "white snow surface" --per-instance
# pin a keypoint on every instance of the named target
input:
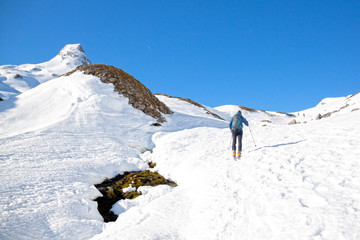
(63, 136)
(17, 79)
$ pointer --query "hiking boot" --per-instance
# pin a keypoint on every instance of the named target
(239, 155)
(234, 154)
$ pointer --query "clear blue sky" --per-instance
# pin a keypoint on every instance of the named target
(272, 55)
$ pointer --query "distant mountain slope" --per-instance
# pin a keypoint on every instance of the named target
(184, 105)
(17, 79)
(256, 116)
(332, 107)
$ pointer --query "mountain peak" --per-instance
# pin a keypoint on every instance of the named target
(73, 54)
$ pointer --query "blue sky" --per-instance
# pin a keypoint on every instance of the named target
(272, 55)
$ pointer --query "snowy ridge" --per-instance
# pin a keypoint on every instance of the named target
(332, 107)
(17, 79)
(257, 117)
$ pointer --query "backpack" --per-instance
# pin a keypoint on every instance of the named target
(236, 124)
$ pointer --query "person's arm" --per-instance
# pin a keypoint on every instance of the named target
(231, 122)
(245, 121)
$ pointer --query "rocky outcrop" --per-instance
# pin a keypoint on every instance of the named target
(115, 189)
(266, 121)
(140, 97)
(319, 116)
(293, 122)
(1, 99)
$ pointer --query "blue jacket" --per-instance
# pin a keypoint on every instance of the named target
(242, 120)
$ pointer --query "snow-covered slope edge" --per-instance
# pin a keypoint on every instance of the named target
(17, 79)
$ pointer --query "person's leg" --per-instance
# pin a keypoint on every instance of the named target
(233, 141)
(239, 136)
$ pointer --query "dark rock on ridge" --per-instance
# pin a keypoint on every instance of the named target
(140, 97)
(193, 103)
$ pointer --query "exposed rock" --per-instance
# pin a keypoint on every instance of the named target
(292, 122)
(344, 106)
(249, 109)
(270, 114)
(1, 99)
(287, 114)
(318, 117)
(18, 76)
(265, 121)
(194, 103)
(151, 164)
(355, 109)
(140, 97)
(113, 189)
(354, 95)
(327, 114)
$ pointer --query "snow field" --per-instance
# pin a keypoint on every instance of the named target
(65, 135)
(48, 169)
(301, 182)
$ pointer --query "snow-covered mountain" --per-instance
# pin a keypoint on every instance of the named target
(65, 134)
(332, 107)
(17, 79)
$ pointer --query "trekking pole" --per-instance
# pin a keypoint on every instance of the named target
(252, 136)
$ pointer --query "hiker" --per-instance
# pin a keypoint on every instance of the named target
(236, 126)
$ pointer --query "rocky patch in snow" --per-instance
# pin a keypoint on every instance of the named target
(140, 97)
(125, 186)
(193, 103)
(292, 122)
(252, 110)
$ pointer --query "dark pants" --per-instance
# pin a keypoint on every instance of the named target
(237, 135)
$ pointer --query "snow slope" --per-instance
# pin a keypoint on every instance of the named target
(301, 182)
(61, 137)
(53, 151)
(332, 107)
(17, 79)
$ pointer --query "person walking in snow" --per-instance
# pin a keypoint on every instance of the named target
(236, 126)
